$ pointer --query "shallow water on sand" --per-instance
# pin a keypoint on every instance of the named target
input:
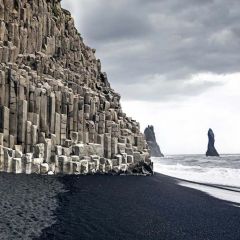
(219, 177)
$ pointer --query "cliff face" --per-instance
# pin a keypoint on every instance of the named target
(152, 143)
(211, 151)
(58, 112)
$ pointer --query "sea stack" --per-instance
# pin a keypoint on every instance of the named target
(211, 151)
(58, 112)
(152, 143)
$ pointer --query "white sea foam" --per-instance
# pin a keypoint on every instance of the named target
(217, 177)
(220, 176)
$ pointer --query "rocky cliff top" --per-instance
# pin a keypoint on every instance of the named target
(152, 143)
(56, 104)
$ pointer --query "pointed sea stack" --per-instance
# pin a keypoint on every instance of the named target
(211, 148)
(152, 143)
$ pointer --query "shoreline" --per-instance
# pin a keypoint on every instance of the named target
(111, 207)
(130, 207)
(219, 178)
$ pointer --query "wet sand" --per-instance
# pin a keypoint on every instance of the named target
(105, 207)
(129, 207)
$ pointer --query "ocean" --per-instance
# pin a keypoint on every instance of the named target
(218, 177)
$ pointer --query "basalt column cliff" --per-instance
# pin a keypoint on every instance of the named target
(58, 113)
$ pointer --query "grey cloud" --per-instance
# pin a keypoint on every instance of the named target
(166, 90)
(169, 38)
(118, 25)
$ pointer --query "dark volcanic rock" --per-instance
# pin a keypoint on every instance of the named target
(211, 148)
(152, 143)
(141, 168)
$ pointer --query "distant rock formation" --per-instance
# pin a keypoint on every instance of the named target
(58, 112)
(152, 143)
(211, 148)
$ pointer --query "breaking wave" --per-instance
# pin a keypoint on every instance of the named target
(219, 177)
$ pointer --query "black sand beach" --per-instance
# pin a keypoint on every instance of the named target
(27, 204)
(128, 207)
(105, 207)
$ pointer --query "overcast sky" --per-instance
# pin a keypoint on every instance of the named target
(175, 63)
